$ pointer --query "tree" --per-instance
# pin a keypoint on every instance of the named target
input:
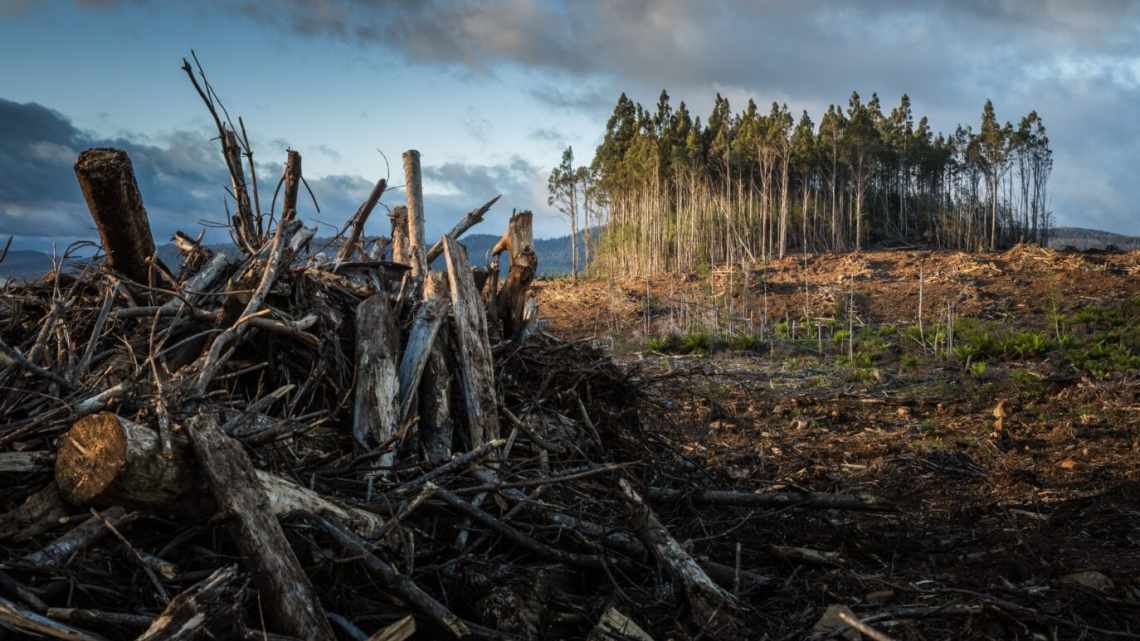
(562, 188)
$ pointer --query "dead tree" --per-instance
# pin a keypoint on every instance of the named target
(511, 299)
(401, 247)
(108, 183)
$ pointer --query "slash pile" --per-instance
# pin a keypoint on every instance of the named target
(277, 444)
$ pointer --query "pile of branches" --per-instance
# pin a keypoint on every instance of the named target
(281, 444)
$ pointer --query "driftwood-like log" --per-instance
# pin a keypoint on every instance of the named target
(107, 460)
(108, 183)
(292, 186)
(16, 618)
(713, 605)
(428, 318)
(358, 219)
(414, 188)
(209, 609)
(472, 218)
(512, 297)
(476, 368)
(376, 408)
(401, 245)
(288, 596)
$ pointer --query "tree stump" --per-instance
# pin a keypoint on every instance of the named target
(108, 182)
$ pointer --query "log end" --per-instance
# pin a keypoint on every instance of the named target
(91, 456)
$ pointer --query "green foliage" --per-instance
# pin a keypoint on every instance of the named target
(703, 343)
(978, 368)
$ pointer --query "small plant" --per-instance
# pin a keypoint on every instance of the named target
(978, 368)
(908, 361)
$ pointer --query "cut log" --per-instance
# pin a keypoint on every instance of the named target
(24, 462)
(107, 460)
(398, 631)
(376, 407)
(414, 188)
(401, 247)
(428, 318)
(714, 607)
(291, 602)
(108, 183)
(476, 369)
(473, 217)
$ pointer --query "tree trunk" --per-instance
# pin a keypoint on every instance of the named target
(376, 407)
(401, 245)
(108, 183)
(413, 186)
(511, 299)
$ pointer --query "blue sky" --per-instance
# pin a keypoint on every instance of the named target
(490, 90)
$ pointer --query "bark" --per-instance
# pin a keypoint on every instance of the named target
(511, 299)
(414, 188)
(476, 368)
(108, 183)
(436, 421)
(376, 408)
(421, 338)
(401, 249)
(209, 609)
(18, 619)
(289, 598)
(77, 539)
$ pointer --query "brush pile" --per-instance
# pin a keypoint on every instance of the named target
(314, 443)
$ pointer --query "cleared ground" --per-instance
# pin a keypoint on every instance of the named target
(1008, 437)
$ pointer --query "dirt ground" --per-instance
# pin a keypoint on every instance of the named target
(1016, 480)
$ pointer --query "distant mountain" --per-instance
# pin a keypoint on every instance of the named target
(553, 256)
(1082, 239)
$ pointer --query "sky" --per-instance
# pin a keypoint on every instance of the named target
(491, 91)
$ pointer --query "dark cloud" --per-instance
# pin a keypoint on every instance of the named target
(182, 179)
(548, 136)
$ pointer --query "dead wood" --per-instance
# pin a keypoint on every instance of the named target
(107, 180)
(288, 595)
(414, 188)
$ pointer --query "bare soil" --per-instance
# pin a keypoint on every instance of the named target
(1025, 526)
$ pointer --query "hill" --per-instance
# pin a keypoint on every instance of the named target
(1082, 238)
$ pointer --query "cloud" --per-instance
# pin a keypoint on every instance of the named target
(182, 179)
(478, 127)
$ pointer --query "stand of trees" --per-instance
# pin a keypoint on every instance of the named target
(672, 193)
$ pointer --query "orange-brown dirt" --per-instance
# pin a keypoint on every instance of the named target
(1010, 480)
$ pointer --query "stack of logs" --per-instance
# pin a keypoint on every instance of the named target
(294, 443)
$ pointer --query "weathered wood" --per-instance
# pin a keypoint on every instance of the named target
(358, 219)
(401, 245)
(78, 538)
(376, 407)
(714, 606)
(290, 601)
(403, 586)
(22, 462)
(292, 186)
(472, 218)
(513, 296)
(107, 460)
(16, 618)
(107, 180)
(436, 421)
(39, 513)
(209, 609)
(414, 188)
(425, 325)
(476, 368)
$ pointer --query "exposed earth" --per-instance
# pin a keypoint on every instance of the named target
(1009, 445)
